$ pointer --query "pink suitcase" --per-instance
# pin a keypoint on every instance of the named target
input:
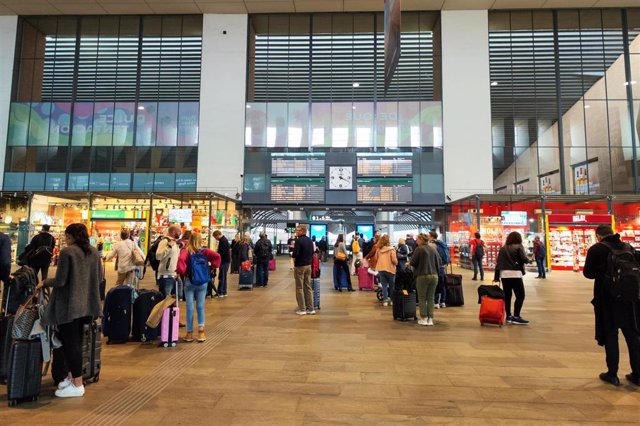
(272, 265)
(365, 279)
(169, 327)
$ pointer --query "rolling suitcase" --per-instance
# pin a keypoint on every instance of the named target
(245, 281)
(6, 325)
(91, 347)
(455, 295)
(404, 305)
(169, 327)
(339, 278)
(117, 314)
(492, 311)
(404, 280)
(24, 378)
(315, 283)
(142, 307)
(365, 279)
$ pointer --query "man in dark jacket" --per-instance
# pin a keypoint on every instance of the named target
(40, 251)
(263, 252)
(303, 257)
(411, 243)
(225, 260)
(611, 313)
(5, 261)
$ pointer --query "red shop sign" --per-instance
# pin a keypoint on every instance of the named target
(580, 218)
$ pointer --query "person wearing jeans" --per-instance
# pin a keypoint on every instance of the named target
(193, 291)
(386, 267)
(426, 265)
(540, 254)
(224, 251)
(477, 254)
(510, 270)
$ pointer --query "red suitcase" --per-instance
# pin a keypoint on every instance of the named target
(365, 279)
(492, 311)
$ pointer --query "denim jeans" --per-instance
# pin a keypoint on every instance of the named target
(199, 293)
(388, 280)
(262, 272)
(222, 278)
(166, 285)
(540, 264)
(477, 264)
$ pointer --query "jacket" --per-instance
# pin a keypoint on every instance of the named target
(223, 250)
(5, 258)
(123, 251)
(610, 314)
(403, 252)
(372, 257)
(183, 260)
(539, 251)
(411, 243)
(265, 248)
(167, 254)
(387, 260)
(425, 261)
(511, 258)
(76, 287)
(42, 239)
(303, 251)
(243, 251)
(474, 243)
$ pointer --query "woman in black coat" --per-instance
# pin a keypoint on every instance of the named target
(510, 270)
(235, 254)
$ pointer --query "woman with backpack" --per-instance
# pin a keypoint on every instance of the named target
(402, 253)
(340, 262)
(193, 267)
(510, 269)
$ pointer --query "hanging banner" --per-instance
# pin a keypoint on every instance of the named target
(392, 16)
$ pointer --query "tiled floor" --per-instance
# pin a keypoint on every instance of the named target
(353, 364)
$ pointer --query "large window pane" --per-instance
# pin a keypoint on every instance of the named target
(99, 181)
(298, 133)
(341, 125)
(409, 123)
(18, 124)
(82, 124)
(55, 182)
(188, 120)
(100, 160)
(321, 125)
(57, 159)
(362, 123)
(120, 181)
(164, 182)
(186, 159)
(185, 182)
(78, 182)
(387, 125)
(39, 123)
(123, 118)
(277, 125)
(13, 181)
(430, 125)
(59, 126)
(167, 124)
(34, 181)
(256, 125)
(103, 119)
(142, 182)
(122, 160)
(146, 125)
(80, 159)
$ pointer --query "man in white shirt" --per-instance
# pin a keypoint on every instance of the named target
(167, 256)
(123, 251)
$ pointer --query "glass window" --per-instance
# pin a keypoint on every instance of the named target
(120, 181)
(80, 159)
(188, 119)
(430, 125)
(341, 124)
(122, 160)
(16, 160)
(321, 124)
(99, 181)
(82, 124)
(18, 124)
(55, 182)
(277, 125)
(146, 124)
(100, 160)
(142, 182)
(103, 118)
(164, 182)
(187, 159)
(13, 181)
(256, 125)
(387, 125)
(143, 159)
(409, 123)
(34, 181)
(39, 123)
(59, 124)
(185, 182)
(36, 160)
(78, 182)
(167, 124)
(163, 158)
(57, 159)
(362, 123)
(123, 118)
(298, 133)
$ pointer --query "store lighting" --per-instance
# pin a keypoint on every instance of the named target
(587, 106)
(8, 220)
(356, 84)
(494, 83)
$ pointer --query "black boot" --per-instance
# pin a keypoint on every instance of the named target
(610, 378)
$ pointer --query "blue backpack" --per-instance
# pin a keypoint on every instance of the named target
(199, 268)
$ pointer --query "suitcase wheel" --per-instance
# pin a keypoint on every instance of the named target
(13, 402)
(143, 338)
(96, 379)
(165, 344)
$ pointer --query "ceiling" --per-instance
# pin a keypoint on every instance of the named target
(100, 7)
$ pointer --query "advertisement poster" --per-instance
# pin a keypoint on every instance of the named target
(586, 179)
(550, 184)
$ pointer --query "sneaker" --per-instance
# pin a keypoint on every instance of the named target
(519, 321)
(188, 338)
(300, 312)
(423, 321)
(63, 384)
(633, 379)
(311, 312)
(509, 319)
(429, 321)
(385, 303)
(437, 306)
(443, 305)
(71, 391)
(610, 378)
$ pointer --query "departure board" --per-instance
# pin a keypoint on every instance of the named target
(385, 165)
(297, 164)
(377, 191)
(297, 190)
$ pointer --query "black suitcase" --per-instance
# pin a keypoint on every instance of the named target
(315, 283)
(453, 280)
(91, 347)
(404, 306)
(117, 314)
(25, 371)
(404, 280)
(455, 295)
(6, 324)
(245, 281)
(142, 307)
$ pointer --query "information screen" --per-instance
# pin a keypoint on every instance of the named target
(288, 164)
(385, 165)
(385, 190)
(297, 190)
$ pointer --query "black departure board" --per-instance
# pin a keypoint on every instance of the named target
(297, 164)
(376, 191)
(385, 165)
(297, 190)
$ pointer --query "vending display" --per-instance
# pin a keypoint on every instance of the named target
(570, 237)
(631, 236)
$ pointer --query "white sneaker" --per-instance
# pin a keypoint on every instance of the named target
(63, 384)
(385, 303)
(71, 391)
(299, 312)
(423, 321)
(442, 305)
(437, 306)
(311, 312)
(429, 321)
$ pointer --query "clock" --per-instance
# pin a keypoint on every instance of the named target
(340, 177)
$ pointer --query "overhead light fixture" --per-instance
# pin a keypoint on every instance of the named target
(248, 106)
(353, 107)
(356, 84)
(587, 106)
(140, 108)
(494, 83)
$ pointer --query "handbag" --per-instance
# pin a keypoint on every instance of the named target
(341, 256)
(24, 320)
(136, 256)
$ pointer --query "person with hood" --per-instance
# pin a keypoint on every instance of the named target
(443, 251)
(612, 310)
(386, 267)
(425, 263)
(510, 270)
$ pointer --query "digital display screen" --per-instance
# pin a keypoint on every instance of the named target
(385, 190)
(318, 231)
(366, 231)
(377, 165)
(297, 190)
(180, 215)
(514, 218)
(297, 165)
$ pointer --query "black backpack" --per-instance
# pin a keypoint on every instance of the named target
(261, 249)
(623, 271)
(479, 250)
(151, 259)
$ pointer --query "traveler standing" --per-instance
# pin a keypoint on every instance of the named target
(263, 253)
(477, 254)
(74, 301)
(235, 254)
(193, 267)
(411, 243)
(5, 262)
(443, 251)
(303, 258)
(323, 247)
(402, 254)
(39, 252)
(341, 261)
(510, 269)
(386, 267)
(291, 242)
(356, 253)
(167, 256)
(425, 263)
(123, 251)
(540, 254)
(613, 309)
(372, 256)
(244, 250)
(225, 259)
